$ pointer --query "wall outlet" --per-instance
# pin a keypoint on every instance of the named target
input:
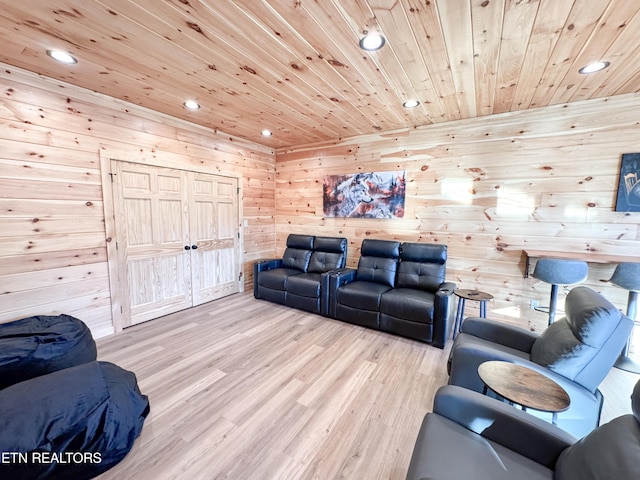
(533, 304)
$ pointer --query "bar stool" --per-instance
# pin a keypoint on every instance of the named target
(627, 276)
(559, 272)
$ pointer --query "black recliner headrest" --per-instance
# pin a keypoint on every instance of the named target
(380, 248)
(424, 252)
(330, 244)
(301, 242)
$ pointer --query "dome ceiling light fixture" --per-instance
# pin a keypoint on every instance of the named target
(62, 57)
(372, 41)
(411, 104)
(266, 133)
(594, 67)
(191, 104)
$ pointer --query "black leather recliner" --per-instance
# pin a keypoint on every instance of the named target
(356, 294)
(398, 288)
(300, 279)
(270, 276)
(421, 304)
(308, 290)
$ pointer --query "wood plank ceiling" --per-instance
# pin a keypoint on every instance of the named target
(295, 67)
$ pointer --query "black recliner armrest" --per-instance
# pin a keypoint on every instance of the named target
(442, 312)
(508, 335)
(325, 295)
(342, 276)
(270, 264)
(262, 266)
(499, 422)
(338, 278)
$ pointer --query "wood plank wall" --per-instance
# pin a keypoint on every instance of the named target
(52, 236)
(488, 188)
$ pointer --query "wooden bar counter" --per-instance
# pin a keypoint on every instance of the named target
(588, 257)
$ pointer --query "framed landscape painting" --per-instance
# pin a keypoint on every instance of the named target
(364, 195)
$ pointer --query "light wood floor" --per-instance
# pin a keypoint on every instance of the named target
(244, 389)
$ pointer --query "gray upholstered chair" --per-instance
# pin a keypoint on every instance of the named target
(469, 435)
(577, 352)
(559, 272)
(627, 276)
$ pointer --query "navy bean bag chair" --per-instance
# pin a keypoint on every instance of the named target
(72, 424)
(35, 346)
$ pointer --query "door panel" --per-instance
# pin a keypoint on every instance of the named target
(137, 220)
(214, 225)
(152, 230)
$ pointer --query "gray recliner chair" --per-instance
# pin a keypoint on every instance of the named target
(469, 435)
(576, 351)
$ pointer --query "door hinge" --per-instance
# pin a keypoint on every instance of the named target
(112, 175)
(116, 245)
(238, 190)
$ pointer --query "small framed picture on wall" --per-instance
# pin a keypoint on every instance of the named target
(628, 199)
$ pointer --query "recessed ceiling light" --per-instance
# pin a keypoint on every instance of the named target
(411, 104)
(594, 67)
(266, 133)
(372, 42)
(192, 105)
(62, 56)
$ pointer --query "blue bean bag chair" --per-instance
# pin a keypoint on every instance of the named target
(72, 424)
(35, 346)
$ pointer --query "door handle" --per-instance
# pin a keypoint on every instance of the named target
(194, 247)
(187, 247)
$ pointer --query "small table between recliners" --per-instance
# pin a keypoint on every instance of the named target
(525, 387)
(463, 295)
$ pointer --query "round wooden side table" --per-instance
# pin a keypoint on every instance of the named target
(463, 295)
(525, 387)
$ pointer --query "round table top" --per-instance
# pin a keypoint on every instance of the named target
(473, 294)
(524, 386)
